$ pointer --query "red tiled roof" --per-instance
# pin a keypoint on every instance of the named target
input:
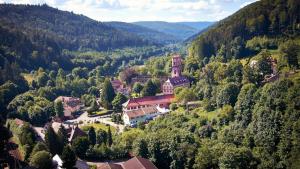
(140, 112)
(109, 166)
(149, 100)
(138, 163)
(116, 84)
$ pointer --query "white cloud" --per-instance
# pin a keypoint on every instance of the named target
(247, 3)
(137, 10)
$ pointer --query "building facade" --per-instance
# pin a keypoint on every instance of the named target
(176, 79)
(162, 101)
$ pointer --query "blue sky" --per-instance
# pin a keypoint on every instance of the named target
(146, 10)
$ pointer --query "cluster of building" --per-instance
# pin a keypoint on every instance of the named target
(146, 108)
(72, 105)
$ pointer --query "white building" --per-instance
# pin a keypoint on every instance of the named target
(58, 163)
(132, 117)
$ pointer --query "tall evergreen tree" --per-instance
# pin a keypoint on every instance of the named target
(51, 141)
(141, 148)
(109, 137)
(107, 94)
(92, 135)
(62, 136)
(102, 137)
(59, 109)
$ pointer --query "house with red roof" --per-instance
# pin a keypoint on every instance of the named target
(119, 87)
(145, 108)
(133, 163)
(176, 80)
(162, 101)
(71, 105)
(132, 117)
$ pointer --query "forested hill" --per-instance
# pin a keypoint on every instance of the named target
(60, 29)
(280, 18)
(145, 33)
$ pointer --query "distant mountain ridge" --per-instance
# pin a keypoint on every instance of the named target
(181, 30)
(201, 25)
(145, 33)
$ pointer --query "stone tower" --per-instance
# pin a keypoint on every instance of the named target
(176, 66)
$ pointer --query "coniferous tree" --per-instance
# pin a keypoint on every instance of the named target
(62, 136)
(59, 109)
(109, 137)
(102, 137)
(51, 141)
(107, 94)
(92, 136)
(141, 148)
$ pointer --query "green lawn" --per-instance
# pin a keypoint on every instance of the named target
(98, 126)
(101, 112)
(209, 115)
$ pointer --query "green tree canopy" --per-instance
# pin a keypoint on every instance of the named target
(92, 135)
(80, 145)
(118, 101)
(149, 89)
(41, 160)
(59, 109)
(107, 94)
(68, 157)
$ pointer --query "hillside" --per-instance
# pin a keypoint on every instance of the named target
(145, 33)
(178, 30)
(34, 35)
(266, 17)
(64, 28)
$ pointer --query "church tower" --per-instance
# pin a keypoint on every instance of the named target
(176, 66)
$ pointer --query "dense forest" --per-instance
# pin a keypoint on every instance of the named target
(38, 36)
(278, 18)
(241, 111)
(64, 29)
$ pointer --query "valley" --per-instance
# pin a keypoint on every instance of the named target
(79, 93)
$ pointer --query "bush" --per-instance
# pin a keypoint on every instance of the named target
(41, 160)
